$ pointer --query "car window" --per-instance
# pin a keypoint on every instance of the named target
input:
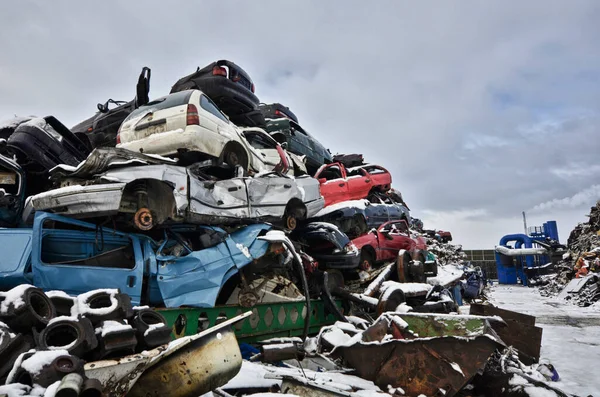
(374, 170)
(169, 101)
(331, 173)
(400, 227)
(258, 141)
(210, 107)
(9, 181)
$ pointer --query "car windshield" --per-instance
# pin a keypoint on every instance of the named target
(169, 101)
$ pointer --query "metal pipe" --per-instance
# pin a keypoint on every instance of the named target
(70, 386)
(520, 251)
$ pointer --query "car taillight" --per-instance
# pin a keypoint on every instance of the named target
(219, 71)
(252, 88)
(192, 115)
(118, 138)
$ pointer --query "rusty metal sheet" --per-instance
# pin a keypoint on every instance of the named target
(429, 366)
(204, 364)
(488, 310)
(519, 331)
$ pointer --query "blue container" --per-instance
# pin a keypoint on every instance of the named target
(506, 274)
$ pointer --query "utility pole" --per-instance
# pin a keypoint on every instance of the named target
(525, 223)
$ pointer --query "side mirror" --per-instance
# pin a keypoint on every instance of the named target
(284, 145)
(322, 180)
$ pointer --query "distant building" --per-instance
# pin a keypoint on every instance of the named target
(486, 259)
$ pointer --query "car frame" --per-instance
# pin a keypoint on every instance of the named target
(155, 194)
(297, 140)
(356, 217)
(385, 242)
(339, 183)
(230, 87)
(317, 238)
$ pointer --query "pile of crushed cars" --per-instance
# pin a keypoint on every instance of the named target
(577, 275)
(234, 224)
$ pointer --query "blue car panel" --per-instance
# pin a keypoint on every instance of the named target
(72, 260)
(196, 279)
(15, 260)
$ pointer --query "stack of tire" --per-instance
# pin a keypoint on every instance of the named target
(45, 339)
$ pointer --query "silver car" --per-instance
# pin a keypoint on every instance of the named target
(150, 191)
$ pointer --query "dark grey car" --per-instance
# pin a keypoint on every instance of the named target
(356, 217)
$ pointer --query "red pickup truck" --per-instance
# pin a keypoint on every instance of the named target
(339, 183)
(384, 243)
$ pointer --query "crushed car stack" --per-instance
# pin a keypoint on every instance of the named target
(230, 220)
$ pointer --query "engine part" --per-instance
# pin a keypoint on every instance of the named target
(70, 386)
(77, 337)
(91, 388)
(151, 329)
(58, 369)
(103, 306)
(114, 339)
(281, 351)
(31, 309)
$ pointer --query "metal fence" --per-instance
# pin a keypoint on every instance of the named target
(486, 259)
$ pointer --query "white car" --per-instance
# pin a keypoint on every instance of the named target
(189, 122)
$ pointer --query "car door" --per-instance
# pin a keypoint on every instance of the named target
(269, 195)
(376, 215)
(393, 236)
(379, 176)
(213, 119)
(12, 192)
(228, 198)
(334, 187)
(77, 257)
(359, 184)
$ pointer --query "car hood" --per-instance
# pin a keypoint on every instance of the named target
(324, 231)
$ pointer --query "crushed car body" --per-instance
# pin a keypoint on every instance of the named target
(188, 268)
(156, 193)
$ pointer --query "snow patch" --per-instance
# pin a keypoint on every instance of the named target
(115, 326)
(244, 250)
(40, 359)
(13, 298)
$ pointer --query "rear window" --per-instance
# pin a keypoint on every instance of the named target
(169, 101)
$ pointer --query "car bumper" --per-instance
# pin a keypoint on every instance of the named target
(88, 201)
(193, 138)
(339, 261)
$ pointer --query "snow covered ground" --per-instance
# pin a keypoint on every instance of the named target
(571, 336)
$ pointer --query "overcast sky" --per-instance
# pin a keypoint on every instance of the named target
(480, 110)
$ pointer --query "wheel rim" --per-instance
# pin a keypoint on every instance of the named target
(232, 159)
(143, 219)
(365, 265)
(291, 222)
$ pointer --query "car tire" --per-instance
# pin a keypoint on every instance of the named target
(234, 155)
(366, 260)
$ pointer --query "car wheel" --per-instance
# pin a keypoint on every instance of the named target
(366, 260)
(290, 221)
(234, 156)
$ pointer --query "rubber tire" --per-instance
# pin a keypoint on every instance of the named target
(366, 256)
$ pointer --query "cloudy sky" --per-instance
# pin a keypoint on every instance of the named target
(480, 110)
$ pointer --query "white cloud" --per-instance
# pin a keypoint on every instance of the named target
(586, 197)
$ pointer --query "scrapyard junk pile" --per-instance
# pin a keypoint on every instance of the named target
(98, 344)
(149, 248)
(577, 275)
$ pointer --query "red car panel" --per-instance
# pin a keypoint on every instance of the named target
(390, 238)
(340, 184)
